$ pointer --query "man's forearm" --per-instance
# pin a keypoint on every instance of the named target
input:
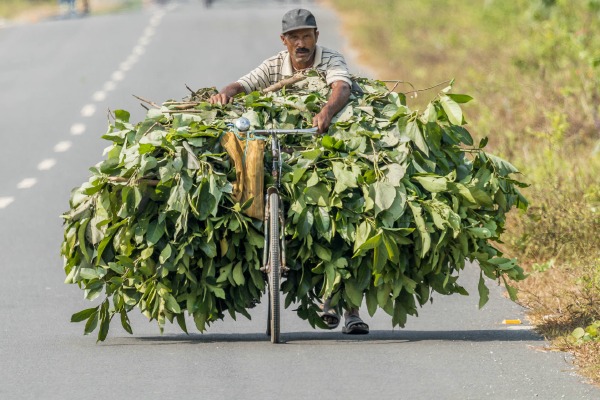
(232, 89)
(339, 97)
(340, 94)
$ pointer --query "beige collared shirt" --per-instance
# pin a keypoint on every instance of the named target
(279, 67)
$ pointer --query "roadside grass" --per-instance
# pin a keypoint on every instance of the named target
(10, 9)
(532, 69)
(34, 10)
(107, 7)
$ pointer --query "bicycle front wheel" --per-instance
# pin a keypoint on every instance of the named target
(274, 274)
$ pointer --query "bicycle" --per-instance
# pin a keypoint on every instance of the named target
(274, 251)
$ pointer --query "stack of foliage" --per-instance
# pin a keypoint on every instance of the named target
(386, 207)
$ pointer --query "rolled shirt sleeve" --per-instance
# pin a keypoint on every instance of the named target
(257, 79)
(334, 66)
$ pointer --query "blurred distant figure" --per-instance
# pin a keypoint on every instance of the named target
(70, 4)
(86, 7)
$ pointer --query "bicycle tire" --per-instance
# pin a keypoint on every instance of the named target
(275, 261)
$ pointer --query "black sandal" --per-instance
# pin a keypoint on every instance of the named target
(355, 326)
(331, 318)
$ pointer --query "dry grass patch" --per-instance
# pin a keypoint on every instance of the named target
(529, 65)
(27, 11)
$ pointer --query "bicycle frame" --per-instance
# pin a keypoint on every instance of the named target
(276, 170)
(274, 265)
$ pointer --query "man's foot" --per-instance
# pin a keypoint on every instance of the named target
(355, 326)
(331, 318)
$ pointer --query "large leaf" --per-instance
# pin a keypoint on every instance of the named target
(483, 291)
(383, 195)
(452, 109)
(414, 133)
(432, 183)
(344, 178)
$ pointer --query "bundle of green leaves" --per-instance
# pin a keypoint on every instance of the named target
(386, 207)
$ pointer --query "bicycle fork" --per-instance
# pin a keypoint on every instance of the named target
(267, 265)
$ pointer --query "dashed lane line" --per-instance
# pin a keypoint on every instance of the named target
(27, 183)
(89, 110)
(5, 201)
(125, 66)
(46, 164)
(149, 31)
(109, 86)
(99, 96)
(139, 50)
(118, 76)
(77, 129)
(144, 41)
(63, 146)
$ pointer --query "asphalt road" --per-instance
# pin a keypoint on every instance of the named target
(57, 80)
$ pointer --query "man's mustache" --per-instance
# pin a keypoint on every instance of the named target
(302, 50)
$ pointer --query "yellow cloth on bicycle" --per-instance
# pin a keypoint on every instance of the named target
(249, 170)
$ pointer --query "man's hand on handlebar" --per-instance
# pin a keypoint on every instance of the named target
(338, 99)
(322, 120)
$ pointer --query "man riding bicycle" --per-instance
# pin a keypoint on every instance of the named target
(299, 35)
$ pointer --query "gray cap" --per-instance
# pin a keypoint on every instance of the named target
(298, 19)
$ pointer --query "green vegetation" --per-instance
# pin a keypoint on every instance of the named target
(385, 208)
(533, 68)
(12, 8)
(34, 10)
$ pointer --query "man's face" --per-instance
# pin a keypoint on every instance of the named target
(301, 45)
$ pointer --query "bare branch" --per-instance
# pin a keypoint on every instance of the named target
(119, 179)
(147, 101)
(283, 83)
(411, 85)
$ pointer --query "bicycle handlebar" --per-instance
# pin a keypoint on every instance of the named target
(284, 131)
(243, 125)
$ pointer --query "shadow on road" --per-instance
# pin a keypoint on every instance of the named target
(379, 336)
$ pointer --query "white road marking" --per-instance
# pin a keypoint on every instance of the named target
(144, 41)
(27, 183)
(155, 21)
(109, 86)
(130, 62)
(99, 95)
(520, 327)
(88, 110)
(61, 147)
(5, 201)
(46, 164)
(139, 50)
(118, 76)
(133, 58)
(77, 129)
(125, 66)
